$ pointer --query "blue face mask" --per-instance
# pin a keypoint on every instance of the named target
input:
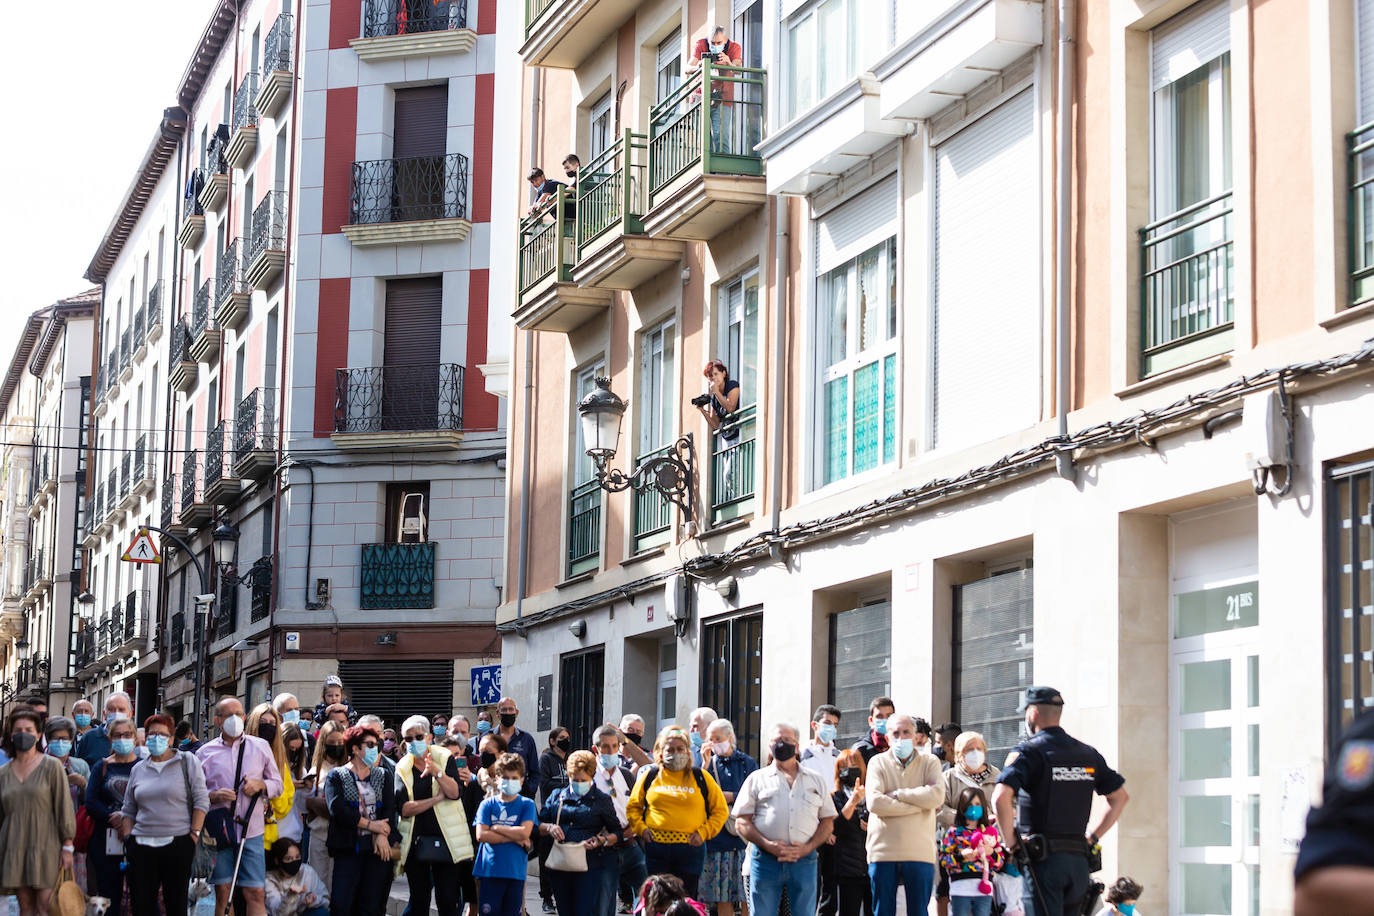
(510, 787)
(483, 726)
(186, 743)
(1126, 909)
(609, 761)
(59, 748)
(440, 731)
(973, 812)
(417, 748)
(826, 733)
(696, 739)
(880, 726)
(123, 746)
(580, 788)
(903, 748)
(291, 717)
(82, 720)
(157, 744)
(370, 755)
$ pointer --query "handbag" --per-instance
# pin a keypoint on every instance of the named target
(565, 856)
(84, 828)
(203, 860)
(431, 850)
(67, 897)
(730, 826)
(219, 822)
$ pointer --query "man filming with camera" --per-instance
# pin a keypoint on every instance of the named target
(722, 53)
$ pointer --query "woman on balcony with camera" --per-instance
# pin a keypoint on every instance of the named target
(719, 402)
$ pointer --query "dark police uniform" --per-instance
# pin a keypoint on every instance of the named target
(1055, 777)
(1341, 831)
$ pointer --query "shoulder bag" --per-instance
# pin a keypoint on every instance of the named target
(203, 861)
(730, 826)
(566, 856)
(219, 822)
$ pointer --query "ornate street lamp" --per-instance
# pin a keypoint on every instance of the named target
(670, 474)
(226, 544)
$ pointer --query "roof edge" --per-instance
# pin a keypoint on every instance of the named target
(212, 40)
(83, 304)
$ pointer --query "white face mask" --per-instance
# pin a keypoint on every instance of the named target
(233, 726)
(721, 748)
(973, 759)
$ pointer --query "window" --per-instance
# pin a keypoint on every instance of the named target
(993, 631)
(748, 30)
(602, 127)
(739, 327)
(829, 43)
(860, 664)
(667, 682)
(669, 70)
(584, 501)
(581, 686)
(857, 317)
(658, 406)
(1350, 595)
(409, 375)
(407, 512)
(731, 675)
(732, 448)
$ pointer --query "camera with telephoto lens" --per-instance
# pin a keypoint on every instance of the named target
(701, 400)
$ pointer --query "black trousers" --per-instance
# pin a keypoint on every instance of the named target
(153, 868)
(855, 896)
(1062, 879)
(443, 879)
(361, 881)
(826, 888)
(543, 845)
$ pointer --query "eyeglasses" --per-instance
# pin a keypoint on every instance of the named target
(419, 737)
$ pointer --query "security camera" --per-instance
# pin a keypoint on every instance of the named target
(205, 600)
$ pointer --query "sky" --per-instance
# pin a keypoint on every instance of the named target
(80, 110)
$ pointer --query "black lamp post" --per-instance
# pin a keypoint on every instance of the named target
(602, 412)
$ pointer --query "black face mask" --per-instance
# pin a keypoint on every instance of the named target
(636, 740)
(571, 173)
(783, 750)
(291, 868)
(563, 744)
(507, 719)
(267, 731)
(488, 758)
(334, 751)
(849, 776)
(23, 741)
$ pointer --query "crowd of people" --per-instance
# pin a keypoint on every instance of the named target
(289, 811)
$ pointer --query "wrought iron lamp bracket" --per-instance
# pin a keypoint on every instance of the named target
(671, 474)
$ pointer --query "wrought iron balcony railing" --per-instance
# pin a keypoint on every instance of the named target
(398, 190)
(177, 638)
(200, 309)
(190, 480)
(130, 620)
(652, 512)
(720, 136)
(226, 609)
(214, 455)
(112, 490)
(610, 189)
(85, 649)
(260, 578)
(33, 673)
(126, 350)
(97, 505)
(732, 464)
(408, 17)
(191, 202)
(547, 241)
(181, 342)
(1360, 212)
(399, 399)
(255, 423)
(141, 457)
(126, 474)
(153, 318)
(245, 112)
(229, 273)
(276, 48)
(169, 501)
(37, 569)
(269, 225)
(136, 328)
(217, 154)
(398, 576)
(584, 526)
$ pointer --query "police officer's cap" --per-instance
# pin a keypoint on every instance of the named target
(1040, 696)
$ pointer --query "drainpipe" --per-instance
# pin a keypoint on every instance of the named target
(779, 374)
(1063, 459)
(522, 570)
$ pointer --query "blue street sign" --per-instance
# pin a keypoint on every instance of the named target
(486, 685)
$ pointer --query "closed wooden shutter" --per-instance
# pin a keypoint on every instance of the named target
(410, 354)
(374, 688)
(421, 122)
(1192, 38)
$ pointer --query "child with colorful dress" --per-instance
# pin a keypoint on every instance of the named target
(970, 853)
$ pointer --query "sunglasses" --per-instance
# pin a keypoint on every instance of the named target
(416, 737)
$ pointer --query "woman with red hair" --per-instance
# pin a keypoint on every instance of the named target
(718, 405)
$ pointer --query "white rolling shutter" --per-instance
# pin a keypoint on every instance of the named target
(1364, 50)
(986, 336)
(857, 224)
(1192, 38)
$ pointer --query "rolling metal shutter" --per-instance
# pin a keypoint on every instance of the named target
(414, 314)
(421, 125)
(986, 328)
(994, 638)
(860, 665)
(1187, 41)
(856, 225)
(377, 688)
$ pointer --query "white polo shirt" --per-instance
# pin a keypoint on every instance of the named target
(613, 784)
(785, 813)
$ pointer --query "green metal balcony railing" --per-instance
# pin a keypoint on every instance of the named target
(732, 466)
(1360, 218)
(584, 527)
(398, 576)
(1187, 292)
(533, 10)
(610, 191)
(546, 242)
(720, 136)
(653, 514)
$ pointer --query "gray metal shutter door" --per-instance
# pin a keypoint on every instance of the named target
(414, 314)
(421, 125)
(860, 665)
(986, 328)
(1364, 50)
(1189, 40)
(857, 224)
(374, 688)
(994, 639)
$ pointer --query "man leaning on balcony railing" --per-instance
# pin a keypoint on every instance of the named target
(546, 189)
(721, 52)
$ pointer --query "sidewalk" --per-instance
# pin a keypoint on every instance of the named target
(400, 895)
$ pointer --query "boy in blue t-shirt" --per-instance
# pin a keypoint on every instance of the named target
(504, 825)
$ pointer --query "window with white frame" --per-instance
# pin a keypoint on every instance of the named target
(602, 127)
(829, 42)
(739, 334)
(656, 373)
(669, 66)
(583, 466)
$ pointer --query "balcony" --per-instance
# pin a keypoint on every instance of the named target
(260, 582)
(108, 634)
(1187, 300)
(133, 623)
(37, 577)
(113, 510)
(112, 372)
(33, 675)
(85, 651)
(704, 176)
(398, 576)
(733, 467)
(183, 370)
(584, 527)
(221, 489)
(226, 610)
(103, 521)
(215, 191)
(206, 336)
(548, 299)
(413, 28)
(140, 342)
(243, 129)
(1360, 220)
(233, 296)
(153, 312)
(177, 638)
(90, 535)
(193, 214)
(276, 67)
(411, 407)
(422, 199)
(562, 33)
(255, 434)
(171, 519)
(612, 250)
(653, 515)
(128, 496)
(126, 355)
(195, 510)
(266, 253)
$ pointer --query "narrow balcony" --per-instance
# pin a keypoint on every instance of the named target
(243, 129)
(176, 638)
(226, 610)
(733, 467)
(128, 497)
(153, 312)
(413, 28)
(90, 535)
(276, 67)
(193, 214)
(126, 354)
(215, 191)
(704, 175)
(171, 518)
(411, 407)
(397, 576)
(84, 658)
(102, 521)
(182, 369)
(108, 634)
(653, 515)
(143, 467)
(612, 250)
(45, 472)
(255, 434)
(206, 336)
(195, 509)
(1360, 218)
(420, 199)
(548, 299)
(140, 342)
(33, 675)
(1187, 299)
(133, 622)
(266, 252)
(113, 510)
(562, 33)
(584, 528)
(112, 372)
(260, 584)
(233, 296)
(38, 576)
(221, 488)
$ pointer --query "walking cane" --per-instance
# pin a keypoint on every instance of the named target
(238, 859)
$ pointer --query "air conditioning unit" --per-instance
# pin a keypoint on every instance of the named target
(413, 527)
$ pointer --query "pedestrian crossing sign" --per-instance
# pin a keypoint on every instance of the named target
(142, 550)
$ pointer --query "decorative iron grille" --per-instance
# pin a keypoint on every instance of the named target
(229, 273)
(260, 579)
(200, 309)
(153, 318)
(276, 49)
(178, 636)
(214, 455)
(137, 327)
(112, 490)
(141, 457)
(245, 112)
(409, 17)
(169, 502)
(190, 480)
(399, 398)
(397, 190)
(130, 620)
(126, 465)
(398, 576)
(226, 608)
(191, 202)
(85, 649)
(126, 350)
(269, 225)
(254, 422)
(181, 341)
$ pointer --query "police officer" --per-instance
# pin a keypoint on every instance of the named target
(1052, 778)
(1335, 870)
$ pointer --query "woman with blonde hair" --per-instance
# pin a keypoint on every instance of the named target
(329, 753)
(265, 722)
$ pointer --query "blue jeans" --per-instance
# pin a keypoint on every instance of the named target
(970, 906)
(501, 897)
(768, 877)
(919, 878)
(1063, 880)
(681, 859)
(629, 869)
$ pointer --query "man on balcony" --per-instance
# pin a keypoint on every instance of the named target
(545, 190)
(721, 52)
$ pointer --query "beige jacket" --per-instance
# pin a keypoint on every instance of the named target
(902, 829)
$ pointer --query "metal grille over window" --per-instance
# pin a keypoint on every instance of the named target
(731, 675)
(373, 686)
(399, 190)
(993, 644)
(860, 665)
(411, 17)
(581, 685)
(1350, 595)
